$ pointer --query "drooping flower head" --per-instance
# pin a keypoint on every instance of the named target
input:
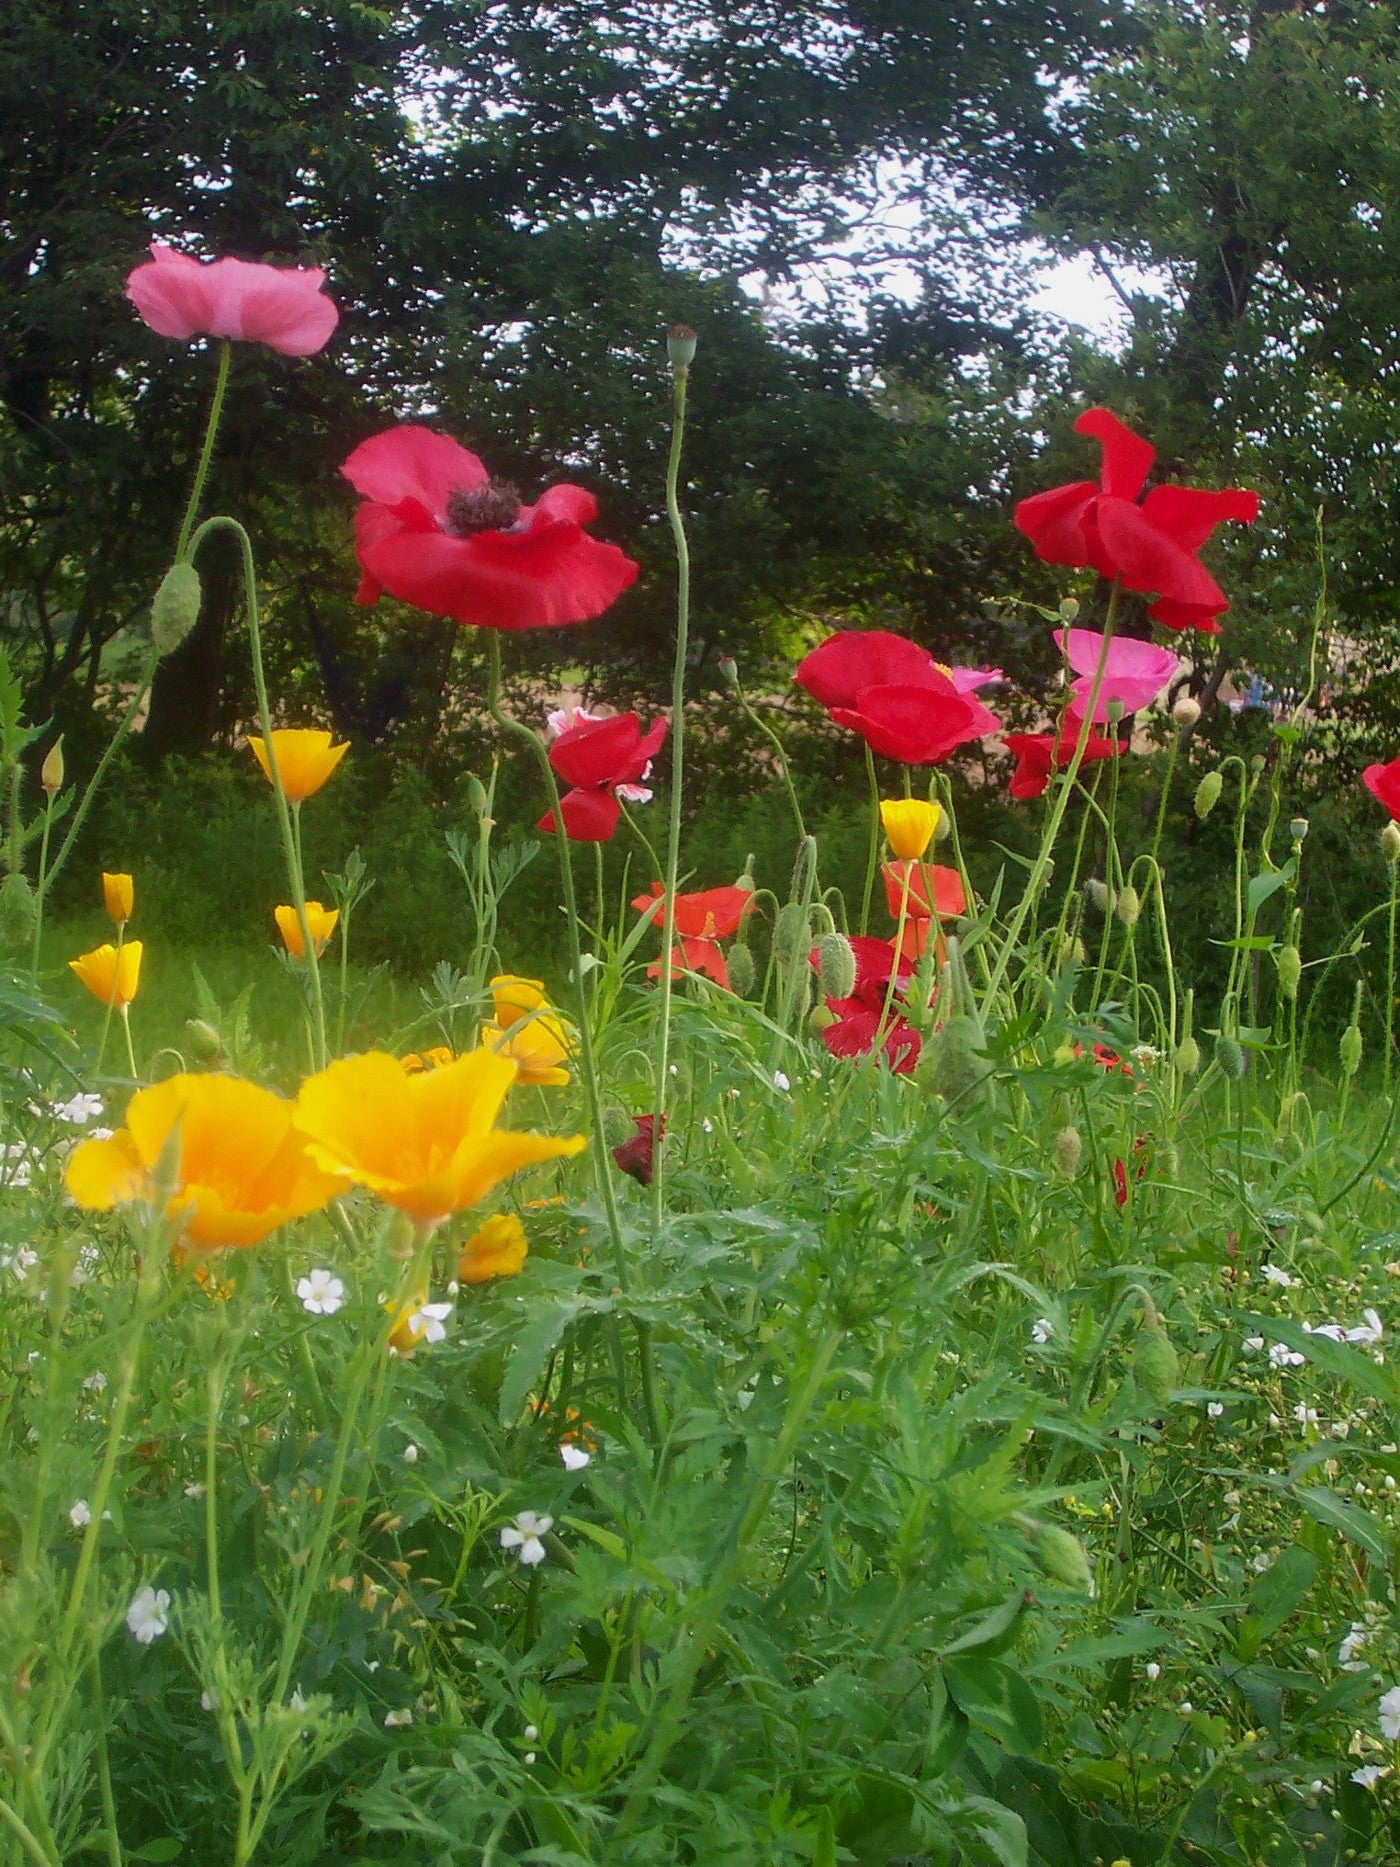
(702, 920)
(280, 306)
(118, 897)
(1037, 754)
(438, 532)
(602, 760)
(637, 1154)
(305, 759)
(1383, 782)
(1151, 546)
(322, 922)
(243, 1170)
(860, 1017)
(498, 1248)
(110, 974)
(895, 695)
(1134, 673)
(426, 1142)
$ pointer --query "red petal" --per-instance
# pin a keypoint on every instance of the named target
(916, 725)
(589, 816)
(1383, 782)
(948, 897)
(412, 462)
(1055, 522)
(1033, 754)
(835, 672)
(1186, 615)
(1189, 514)
(571, 503)
(1147, 558)
(596, 751)
(1127, 458)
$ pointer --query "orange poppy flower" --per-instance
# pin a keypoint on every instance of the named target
(305, 759)
(498, 1248)
(110, 973)
(321, 921)
(118, 897)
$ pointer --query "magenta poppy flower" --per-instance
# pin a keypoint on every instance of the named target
(1151, 546)
(600, 758)
(1135, 673)
(858, 1017)
(1383, 782)
(438, 532)
(1038, 753)
(280, 306)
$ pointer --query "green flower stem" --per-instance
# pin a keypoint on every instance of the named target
(1390, 977)
(125, 1013)
(873, 848)
(784, 770)
(1173, 751)
(1031, 891)
(183, 548)
(285, 817)
(1113, 869)
(681, 377)
(40, 889)
(111, 1001)
(111, 1832)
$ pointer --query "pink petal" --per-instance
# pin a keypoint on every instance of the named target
(410, 462)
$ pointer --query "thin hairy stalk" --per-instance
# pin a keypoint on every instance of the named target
(40, 889)
(872, 852)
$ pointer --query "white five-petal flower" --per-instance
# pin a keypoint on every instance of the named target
(321, 1293)
(574, 1457)
(526, 1535)
(149, 1615)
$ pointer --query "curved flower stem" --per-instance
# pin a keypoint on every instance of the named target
(206, 453)
(873, 851)
(681, 376)
(784, 769)
(1032, 888)
(284, 809)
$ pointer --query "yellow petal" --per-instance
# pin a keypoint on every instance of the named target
(910, 824)
(107, 1173)
(118, 897)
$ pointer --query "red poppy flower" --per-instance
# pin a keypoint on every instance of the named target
(858, 1017)
(637, 1154)
(1120, 1182)
(702, 920)
(1151, 546)
(1037, 752)
(1383, 782)
(1108, 1060)
(280, 306)
(438, 532)
(599, 757)
(895, 695)
(948, 899)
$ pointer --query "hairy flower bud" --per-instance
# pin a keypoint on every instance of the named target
(741, 969)
(17, 910)
(617, 1125)
(1349, 1049)
(1229, 1054)
(1069, 1146)
(1186, 711)
(727, 669)
(791, 932)
(1208, 793)
(1097, 895)
(1188, 1056)
(1061, 1555)
(175, 607)
(1073, 951)
(1129, 905)
(821, 1019)
(1155, 1366)
(1390, 841)
(836, 964)
(1069, 608)
(202, 1041)
(1290, 970)
(51, 771)
(680, 346)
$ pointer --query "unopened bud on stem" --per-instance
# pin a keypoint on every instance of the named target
(680, 346)
(1208, 793)
(51, 771)
(1186, 711)
(175, 607)
(1390, 842)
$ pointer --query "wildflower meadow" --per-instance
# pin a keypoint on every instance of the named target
(882, 1365)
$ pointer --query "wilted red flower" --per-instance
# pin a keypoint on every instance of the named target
(895, 695)
(1150, 546)
(280, 306)
(1037, 752)
(1383, 782)
(598, 757)
(702, 920)
(1120, 1182)
(858, 1017)
(437, 531)
(637, 1154)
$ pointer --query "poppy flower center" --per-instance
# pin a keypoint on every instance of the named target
(491, 508)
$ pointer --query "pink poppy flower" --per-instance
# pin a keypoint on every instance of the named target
(1383, 782)
(1152, 546)
(438, 532)
(602, 759)
(1135, 673)
(280, 306)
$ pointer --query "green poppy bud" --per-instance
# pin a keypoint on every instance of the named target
(1349, 1049)
(476, 795)
(1097, 895)
(618, 1126)
(836, 965)
(17, 910)
(680, 346)
(1069, 1146)
(1298, 828)
(1073, 951)
(1290, 970)
(175, 607)
(741, 969)
(1129, 905)
(1155, 1366)
(1208, 793)
(1390, 841)
(792, 932)
(1186, 711)
(1069, 608)
(1230, 1056)
(1188, 1056)
(202, 1041)
(51, 771)
(1062, 1557)
(821, 1019)
(728, 670)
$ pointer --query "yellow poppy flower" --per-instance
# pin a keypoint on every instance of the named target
(321, 921)
(497, 1249)
(539, 1047)
(111, 974)
(434, 1059)
(118, 897)
(515, 998)
(305, 759)
(425, 1143)
(243, 1169)
(910, 824)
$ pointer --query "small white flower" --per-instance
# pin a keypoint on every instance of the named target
(574, 1457)
(321, 1293)
(1368, 1331)
(1282, 1356)
(208, 1700)
(1305, 1415)
(96, 1383)
(1352, 1643)
(149, 1615)
(531, 1733)
(99, 1134)
(525, 1535)
(78, 1109)
(1390, 1714)
(780, 1081)
(1369, 1775)
(1332, 1330)
(428, 1323)
(80, 1513)
(86, 1263)
(1186, 1708)
(1154, 1671)
(395, 1720)
(1261, 1562)
(1273, 1275)
(410, 1454)
(1041, 1330)
(1252, 1344)
(1214, 1409)
(529, 1756)
(708, 1125)
(20, 1263)
(194, 1491)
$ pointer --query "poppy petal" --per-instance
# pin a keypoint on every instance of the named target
(413, 462)
(1127, 458)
